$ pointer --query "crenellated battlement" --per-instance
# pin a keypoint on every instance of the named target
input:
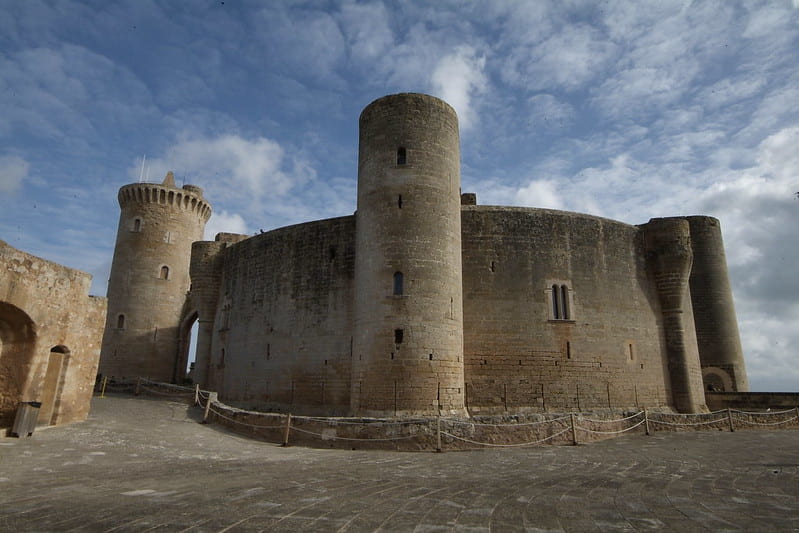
(189, 198)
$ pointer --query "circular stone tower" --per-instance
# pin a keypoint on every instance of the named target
(150, 278)
(714, 312)
(408, 322)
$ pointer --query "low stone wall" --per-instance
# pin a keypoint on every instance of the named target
(752, 400)
(450, 434)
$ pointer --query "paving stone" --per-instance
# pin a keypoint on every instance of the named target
(141, 464)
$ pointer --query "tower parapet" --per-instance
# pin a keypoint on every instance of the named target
(150, 277)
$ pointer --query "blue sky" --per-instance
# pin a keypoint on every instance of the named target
(629, 110)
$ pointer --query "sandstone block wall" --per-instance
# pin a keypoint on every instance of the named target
(608, 352)
(282, 333)
(50, 333)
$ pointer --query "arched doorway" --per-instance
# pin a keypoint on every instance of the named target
(187, 348)
(53, 384)
(17, 340)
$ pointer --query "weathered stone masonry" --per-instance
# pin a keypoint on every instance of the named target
(424, 302)
(50, 331)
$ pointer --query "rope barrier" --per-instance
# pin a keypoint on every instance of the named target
(466, 422)
(220, 415)
(532, 443)
(764, 413)
(167, 394)
(168, 385)
(208, 399)
(654, 421)
(335, 422)
(639, 413)
(596, 432)
(335, 437)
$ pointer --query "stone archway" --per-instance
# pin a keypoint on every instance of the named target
(17, 342)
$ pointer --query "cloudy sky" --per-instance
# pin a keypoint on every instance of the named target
(628, 110)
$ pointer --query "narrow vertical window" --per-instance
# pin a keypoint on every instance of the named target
(399, 201)
(398, 335)
(164, 272)
(398, 284)
(564, 302)
(401, 156)
(121, 321)
(137, 224)
(555, 306)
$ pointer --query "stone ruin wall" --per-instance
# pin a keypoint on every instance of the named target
(45, 306)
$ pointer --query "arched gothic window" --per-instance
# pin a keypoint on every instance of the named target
(164, 274)
(120, 321)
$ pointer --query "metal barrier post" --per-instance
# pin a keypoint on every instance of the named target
(105, 382)
(438, 433)
(646, 421)
(574, 430)
(286, 431)
(197, 394)
(211, 399)
(729, 417)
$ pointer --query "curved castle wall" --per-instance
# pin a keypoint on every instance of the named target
(150, 278)
(283, 326)
(408, 336)
(559, 313)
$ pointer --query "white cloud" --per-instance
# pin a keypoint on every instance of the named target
(540, 193)
(366, 29)
(457, 78)
(567, 59)
(224, 222)
(231, 166)
(13, 170)
(549, 113)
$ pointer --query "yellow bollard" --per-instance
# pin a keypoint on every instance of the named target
(102, 390)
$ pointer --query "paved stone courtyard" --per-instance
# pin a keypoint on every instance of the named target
(147, 465)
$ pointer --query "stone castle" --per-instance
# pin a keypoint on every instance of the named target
(422, 302)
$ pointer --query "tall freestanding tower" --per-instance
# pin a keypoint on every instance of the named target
(407, 355)
(150, 278)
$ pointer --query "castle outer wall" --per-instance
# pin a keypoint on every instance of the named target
(50, 333)
(603, 348)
